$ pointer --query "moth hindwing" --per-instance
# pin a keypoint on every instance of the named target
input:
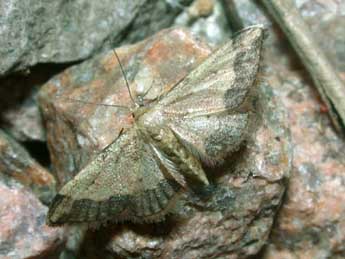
(201, 120)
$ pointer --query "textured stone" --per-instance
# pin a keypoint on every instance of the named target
(311, 223)
(326, 19)
(231, 219)
(207, 19)
(19, 112)
(23, 233)
(18, 164)
(33, 32)
(25, 122)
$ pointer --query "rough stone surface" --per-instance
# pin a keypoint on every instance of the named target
(232, 219)
(207, 19)
(61, 31)
(326, 19)
(19, 111)
(311, 222)
(23, 233)
(16, 163)
(24, 122)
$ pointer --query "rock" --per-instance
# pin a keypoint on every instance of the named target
(16, 163)
(34, 32)
(23, 233)
(207, 19)
(19, 111)
(26, 123)
(232, 219)
(312, 219)
(311, 223)
(20, 115)
(325, 19)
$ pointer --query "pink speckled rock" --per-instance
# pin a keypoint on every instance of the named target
(311, 223)
(23, 233)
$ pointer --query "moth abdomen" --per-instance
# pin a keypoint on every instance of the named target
(189, 166)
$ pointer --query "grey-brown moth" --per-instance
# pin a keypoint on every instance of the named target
(200, 120)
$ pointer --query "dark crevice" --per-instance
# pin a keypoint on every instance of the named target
(39, 151)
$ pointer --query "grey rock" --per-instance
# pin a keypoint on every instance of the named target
(16, 162)
(21, 119)
(33, 32)
(19, 111)
(207, 19)
(326, 20)
(25, 122)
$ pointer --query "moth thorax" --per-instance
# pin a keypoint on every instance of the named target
(151, 123)
(139, 111)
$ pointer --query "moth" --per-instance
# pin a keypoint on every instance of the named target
(201, 120)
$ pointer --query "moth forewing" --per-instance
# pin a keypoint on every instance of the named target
(124, 182)
(233, 67)
(208, 110)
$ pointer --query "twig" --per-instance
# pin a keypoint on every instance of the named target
(329, 85)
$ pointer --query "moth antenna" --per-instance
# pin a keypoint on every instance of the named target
(93, 103)
(124, 76)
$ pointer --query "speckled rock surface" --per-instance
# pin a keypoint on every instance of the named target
(23, 233)
(16, 163)
(207, 19)
(311, 223)
(19, 112)
(232, 219)
(24, 121)
(60, 31)
(326, 19)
